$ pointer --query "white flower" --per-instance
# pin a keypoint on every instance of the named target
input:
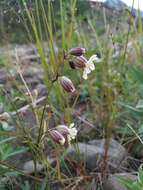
(72, 132)
(69, 132)
(89, 66)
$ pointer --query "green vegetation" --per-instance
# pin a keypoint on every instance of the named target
(109, 96)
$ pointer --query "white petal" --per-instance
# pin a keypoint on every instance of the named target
(87, 69)
(93, 58)
(62, 141)
(71, 125)
(72, 132)
(92, 66)
(84, 74)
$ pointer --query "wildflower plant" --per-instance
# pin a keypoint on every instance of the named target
(63, 133)
(62, 85)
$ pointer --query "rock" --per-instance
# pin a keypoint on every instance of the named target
(30, 58)
(117, 153)
(32, 81)
(92, 154)
(42, 90)
(28, 118)
(112, 182)
(116, 5)
(29, 165)
(88, 153)
(33, 75)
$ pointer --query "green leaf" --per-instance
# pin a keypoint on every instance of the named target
(21, 150)
(7, 140)
(130, 107)
(4, 171)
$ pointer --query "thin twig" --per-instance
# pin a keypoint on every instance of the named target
(26, 107)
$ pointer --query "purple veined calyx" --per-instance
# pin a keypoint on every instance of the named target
(67, 84)
(57, 137)
(77, 51)
(78, 62)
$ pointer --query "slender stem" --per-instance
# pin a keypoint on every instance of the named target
(41, 122)
(127, 39)
(44, 109)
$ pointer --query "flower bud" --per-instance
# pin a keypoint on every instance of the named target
(79, 62)
(77, 51)
(57, 137)
(67, 84)
(63, 129)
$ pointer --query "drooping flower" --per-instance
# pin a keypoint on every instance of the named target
(57, 137)
(67, 84)
(69, 132)
(89, 66)
(77, 51)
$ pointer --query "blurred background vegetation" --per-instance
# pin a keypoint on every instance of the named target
(13, 30)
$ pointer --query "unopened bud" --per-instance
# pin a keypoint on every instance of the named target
(63, 129)
(67, 84)
(79, 62)
(77, 51)
(57, 137)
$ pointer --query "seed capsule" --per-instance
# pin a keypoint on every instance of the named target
(77, 51)
(67, 84)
